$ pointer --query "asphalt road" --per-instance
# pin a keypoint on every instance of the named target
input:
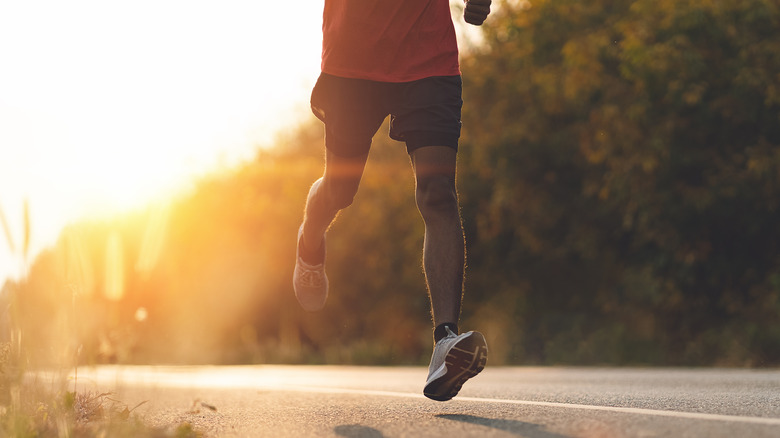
(301, 401)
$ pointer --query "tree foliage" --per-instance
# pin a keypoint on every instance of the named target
(623, 173)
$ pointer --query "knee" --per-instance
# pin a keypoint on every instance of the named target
(340, 195)
(437, 195)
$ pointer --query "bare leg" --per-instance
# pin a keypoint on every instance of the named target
(455, 358)
(444, 247)
(329, 195)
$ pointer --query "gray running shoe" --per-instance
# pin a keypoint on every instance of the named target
(309, 281)
(456, 358)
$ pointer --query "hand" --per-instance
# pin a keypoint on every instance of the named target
(476, 11)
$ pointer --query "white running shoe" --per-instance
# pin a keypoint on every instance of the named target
(456, 358)
(309, 281)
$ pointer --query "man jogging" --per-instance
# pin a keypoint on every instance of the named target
(397, 58)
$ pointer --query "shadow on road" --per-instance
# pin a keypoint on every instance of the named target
(357, 431)
(528, 430)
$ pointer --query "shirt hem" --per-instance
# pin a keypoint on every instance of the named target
(383, 77)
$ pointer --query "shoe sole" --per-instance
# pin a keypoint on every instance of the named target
(464, 360)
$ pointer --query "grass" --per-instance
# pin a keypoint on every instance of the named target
(29, 409)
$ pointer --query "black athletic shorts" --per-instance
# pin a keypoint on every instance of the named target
(422, 113)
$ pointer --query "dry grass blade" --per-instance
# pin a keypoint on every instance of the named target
(139, 405)
(197, 402)
(7, 231)
(124, 414)
(26, 242)
(89, 407)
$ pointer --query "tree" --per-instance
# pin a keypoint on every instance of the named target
(623, 167)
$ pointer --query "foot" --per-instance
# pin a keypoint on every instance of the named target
(456, 358)
(309, 280)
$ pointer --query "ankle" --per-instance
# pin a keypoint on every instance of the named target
(312, 257)
(440, 332)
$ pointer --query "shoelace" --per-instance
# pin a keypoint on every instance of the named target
(311, 278)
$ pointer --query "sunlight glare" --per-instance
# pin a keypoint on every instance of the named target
(107, 106)
(141, 314)
(75, 265)
(114, 287)
(153, 240)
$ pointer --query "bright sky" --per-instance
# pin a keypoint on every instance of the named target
(106, 105)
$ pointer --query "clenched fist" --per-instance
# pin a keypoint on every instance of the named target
(476, 11)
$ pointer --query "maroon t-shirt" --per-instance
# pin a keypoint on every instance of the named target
(389, 40)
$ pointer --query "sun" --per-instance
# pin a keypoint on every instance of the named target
(109, 105)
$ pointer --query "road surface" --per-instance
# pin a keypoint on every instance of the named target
(335, 401)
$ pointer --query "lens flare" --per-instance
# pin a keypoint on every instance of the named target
(153, 240)
(115, 278)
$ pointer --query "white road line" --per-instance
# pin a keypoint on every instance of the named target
(625, 410)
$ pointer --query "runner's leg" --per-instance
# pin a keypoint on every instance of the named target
(444, 247)
(330, 194)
